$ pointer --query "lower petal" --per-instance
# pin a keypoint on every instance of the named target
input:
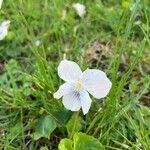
(71, 101)
(63, 90)
(85, 101)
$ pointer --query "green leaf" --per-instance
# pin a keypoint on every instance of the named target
(62, 119)
(43, 148)
(85, 142)
(73, 125)
(81, 141)
(45, 126)
(65, 144)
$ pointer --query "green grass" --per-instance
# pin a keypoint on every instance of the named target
(28, 76)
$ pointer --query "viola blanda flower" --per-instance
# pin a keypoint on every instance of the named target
(4, 29)
(78, 84)
(80, 9)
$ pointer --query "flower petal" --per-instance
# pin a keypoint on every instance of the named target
(63, 90)
(85, 101)
(96, 82)
(71, 101)
(69, 70)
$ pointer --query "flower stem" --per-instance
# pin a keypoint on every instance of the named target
(74, 125)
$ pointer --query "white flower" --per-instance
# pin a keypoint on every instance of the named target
(4, 29)
(80, 9)
(78, 84)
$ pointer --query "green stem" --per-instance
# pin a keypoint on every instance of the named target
(74, 126)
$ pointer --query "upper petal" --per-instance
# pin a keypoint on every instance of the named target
(85, 101)
(71, 101)
(96, 82)
(69, 70)
(63, 90)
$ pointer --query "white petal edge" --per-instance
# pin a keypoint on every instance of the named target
(69, 70)
(96, 83)
(71, 101)
(63, 90)
(85, 101)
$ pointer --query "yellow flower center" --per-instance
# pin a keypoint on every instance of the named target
(78, 85)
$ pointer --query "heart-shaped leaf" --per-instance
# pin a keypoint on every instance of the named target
(81, 141)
